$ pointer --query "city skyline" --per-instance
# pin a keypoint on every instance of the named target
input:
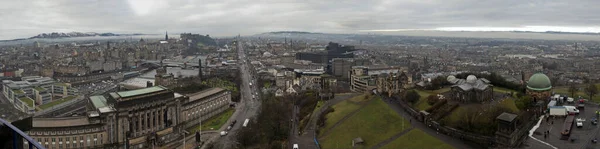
(227, 18)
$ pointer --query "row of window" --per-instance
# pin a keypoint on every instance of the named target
(70, 142)
(220, 98)
(63, 132)
(209, 106)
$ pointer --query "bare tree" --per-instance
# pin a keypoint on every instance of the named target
(591, 90)
(572, 89)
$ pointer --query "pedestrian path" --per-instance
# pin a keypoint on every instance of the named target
(389, 140)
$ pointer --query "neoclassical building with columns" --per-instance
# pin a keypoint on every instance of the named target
(152, 117)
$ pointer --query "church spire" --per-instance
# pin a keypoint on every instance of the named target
(166, 36)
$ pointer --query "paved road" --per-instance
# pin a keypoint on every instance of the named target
(456, 143)
(248, 106)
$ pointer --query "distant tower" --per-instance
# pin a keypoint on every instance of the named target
(108, 45)
(200, 68)
(166, 36)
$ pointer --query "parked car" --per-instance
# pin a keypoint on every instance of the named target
(594, 121)
(580, 122)
(223, 133)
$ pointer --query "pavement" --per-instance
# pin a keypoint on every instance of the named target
(582, 136)
(247, 108)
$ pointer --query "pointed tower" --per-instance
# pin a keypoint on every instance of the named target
(166, 36)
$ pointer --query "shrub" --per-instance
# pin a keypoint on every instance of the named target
(412, 96)
(432, 99)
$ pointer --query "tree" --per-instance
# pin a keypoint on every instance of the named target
(432, 99)
(591, 90)
(572, 89)
(412, 96)
(523, 102)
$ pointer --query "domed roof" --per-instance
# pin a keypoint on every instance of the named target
(450, 78)
(539, 82)
(471, 79)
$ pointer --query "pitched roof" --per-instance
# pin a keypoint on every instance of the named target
(509, 117)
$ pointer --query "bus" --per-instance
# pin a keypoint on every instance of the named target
(246, 122)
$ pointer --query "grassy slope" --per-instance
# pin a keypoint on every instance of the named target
(375, 123)
(417, 139)
(213, 123)
(340, 110)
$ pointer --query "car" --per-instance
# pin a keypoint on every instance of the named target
(223, 133)
(594, 121)
(570, 100)
(295, 146)
(580, 106)
(229, 127)
(580, 122)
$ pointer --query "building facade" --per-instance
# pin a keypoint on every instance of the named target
(539, 86)
(471, 90)
(33, 91)
(152, 117)
(389, 80)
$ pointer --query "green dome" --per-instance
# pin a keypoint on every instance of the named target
(539, 82)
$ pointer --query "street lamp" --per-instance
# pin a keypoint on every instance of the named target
(184, 132)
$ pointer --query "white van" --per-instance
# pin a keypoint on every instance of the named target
(572, 110)
(295, 146)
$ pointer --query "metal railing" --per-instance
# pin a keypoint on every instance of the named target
(17, 137)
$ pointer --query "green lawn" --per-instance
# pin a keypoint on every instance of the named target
(18, 92)
(374, 123)
(319, 104)
(504, 90)
(340, 110)
(56, 102)
(213, 123)
(509, 104)
(27, 101)
(417, 139)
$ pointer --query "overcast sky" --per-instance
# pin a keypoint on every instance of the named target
(26, 18)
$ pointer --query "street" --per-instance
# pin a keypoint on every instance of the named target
(247, 108)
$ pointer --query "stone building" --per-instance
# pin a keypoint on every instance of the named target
(471, 90)
(162, 78)
(152, 117)
(389, 80)
(539, 87)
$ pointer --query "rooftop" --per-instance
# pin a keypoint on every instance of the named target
(98, 101)
(39, 88)
(509, 117)
(27, 101)
(143, 91)
(18, 92)
(60, 122)
(60, 84)
(205, 93)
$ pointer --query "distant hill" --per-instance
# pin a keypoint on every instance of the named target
(76, 34)
(291, 32)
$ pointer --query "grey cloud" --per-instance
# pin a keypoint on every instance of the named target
(229, 17)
